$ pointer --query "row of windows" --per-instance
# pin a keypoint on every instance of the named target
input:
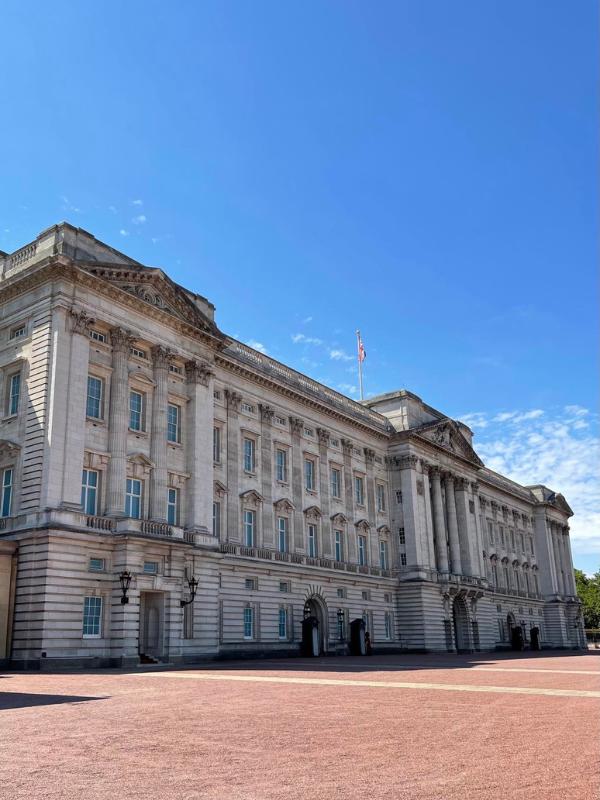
(249, 623)
(90, 496)
(521, 580)
(504, 537)
(251, 585)
(95, 409)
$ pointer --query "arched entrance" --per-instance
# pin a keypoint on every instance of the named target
(314, 627)
(460, 618)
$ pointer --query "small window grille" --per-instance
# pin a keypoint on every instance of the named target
(247, 408)
(96, 565)
(284, 586)
(403, 559)
(135, 351)
(18, 332)
(175, 369)
(250, 584)
(150, 567)
(279, 420)
(97, 336)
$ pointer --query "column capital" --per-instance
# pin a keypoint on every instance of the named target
(266, 413)
(121, 340)
(369, 455)
(80, 321)
(161, 356)
(462, 484)
(233, 399)
(347, 446)
(324, 436)
(474, 487)
(199, 372)
(435, 473)
(296, 425)
(448, 477)
(408, 462)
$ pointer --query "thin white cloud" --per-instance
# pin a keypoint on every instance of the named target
(550, 447)
(306, 320)
(112, 209)
(68, 206)
(348, 388)
(257, 346)
(137, 202)
(123, 232)
(300, 338)
(340, 355)
(139, 220)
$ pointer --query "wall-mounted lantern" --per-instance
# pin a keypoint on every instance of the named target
(193, 584)
(124, 580)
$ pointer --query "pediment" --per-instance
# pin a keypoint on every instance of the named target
(284, 505)
(8, 449)
(383, 530)
(153, 287)
(362, 525)
(140, 458)
(339, 519)
(313, 511)
(219, 489)
(251, 497)
(447, 434)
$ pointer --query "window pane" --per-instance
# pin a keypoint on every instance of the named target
(94, 398)
(15, 391)
(7, 479)
(282, 623)
(172, 506)
(92, 610)
(217, 519)
(135, 411)
(173, 423)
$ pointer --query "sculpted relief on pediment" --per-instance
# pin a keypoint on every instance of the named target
(448, 435)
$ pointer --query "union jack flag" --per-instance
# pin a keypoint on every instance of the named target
(362, 353)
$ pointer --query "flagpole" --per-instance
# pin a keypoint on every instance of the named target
(360, 375)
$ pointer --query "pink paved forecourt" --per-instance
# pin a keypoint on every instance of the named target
(418, 727)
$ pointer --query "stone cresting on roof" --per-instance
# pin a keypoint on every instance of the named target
(299, 382)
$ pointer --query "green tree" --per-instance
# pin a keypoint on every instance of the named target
(589, 591)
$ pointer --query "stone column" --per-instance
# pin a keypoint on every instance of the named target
(266, 460)
(452, 524)
(467, 532)
(233, 466)
(441, 548)
(296, 428)
(198, 440)
(425, 466)
(324, 492)
(118, 422)
(565, 560)
(161, 358)
(75, 408)
(569, 560)
(557, 563)
(347, 448)
(479, 532)
(412, 523)
(370, 488)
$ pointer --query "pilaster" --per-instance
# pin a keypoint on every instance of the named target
(324, 437)
(161, 357)
(296, 427)
(441, 544)
(200, 422)
(118, 422)
(452, 524)
(266, 417)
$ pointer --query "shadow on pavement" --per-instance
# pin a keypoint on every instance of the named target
(10, 700)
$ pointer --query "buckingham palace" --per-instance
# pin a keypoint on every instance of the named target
(169, 494)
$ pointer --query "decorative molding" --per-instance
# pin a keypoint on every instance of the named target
(80, 321)
(139, 466)
(177, 480)
(324, 436)
(233, 400)
(420, 486)
(266, 413)
(200, 372)
(161, 356)
(383, 530)
(362, 525)
(369, 455)
(92, 460)
(251, 498)
(219, 489)
(313, 512)
(339, 519)
(284, 505)
(296, 426)
(347, 446)
(408, 462)
(121, 340)
(461, 484)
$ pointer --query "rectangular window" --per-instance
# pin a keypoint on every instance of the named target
(7, 488)
(383, 555)
(282, 534)
(387, 597)
(248, 622)
(95, 398)
(176, 370)
(402, 559)
(135, 351)
(339, 545)
(359, 490)
(173, 506)
(365, 594)
(96, 565)
(522, 542)
(336, 483)
(284, 586)
(401, 536)
(502, 536)
(92, 617)
(309, 432)
(216, 525)
(512, 540)
(398, 497)
(136, 411)
(217, 445)
(312, 541)
(249, 455)
(151, 567)
(250, 584)
(490, 526)
(14, 393)
(380, 497)
(362, 551)
(387, 619)
(279, 420)
(341, 593)
(97, 336)
(283, 622)
(247, 408)
(249, 526)
(281, 465)
(309, 475)
(133, 498)
(341, 624)
(173, 423)
(89, 491)
(531, 550)
(19, 332)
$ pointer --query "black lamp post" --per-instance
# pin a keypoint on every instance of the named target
(340, 619)
(193, 584)
(124, 580)
(307, 610)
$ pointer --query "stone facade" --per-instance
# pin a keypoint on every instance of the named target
(136, 437)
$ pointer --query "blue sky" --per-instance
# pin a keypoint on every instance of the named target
(425, 171)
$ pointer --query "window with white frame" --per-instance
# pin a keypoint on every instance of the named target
(96, 564)
(247, 408)
(216, 519)
(7, 491)
(383, 554)
(173, 506)
(249, 455)
(362, 551)
(401, 536)
(95, 397)
(283, 622)
(14, 393)
(309, 432)
(249, 527)
(97, 336)
(217, 445)
(359, 490)
(280, 420)
(18, 332)
(403, 559)
(336, 483)
(281, 469)
(138, 352)
(282, 534)
(309, 475)
(89, 491)
(312, 541)
(92, 617)
(175, 369)
(173, 423)
(136, 411)
(248, 622)
(133, 498)
(387, 621)
(339, 545)
(151, 567)
(380, 497)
